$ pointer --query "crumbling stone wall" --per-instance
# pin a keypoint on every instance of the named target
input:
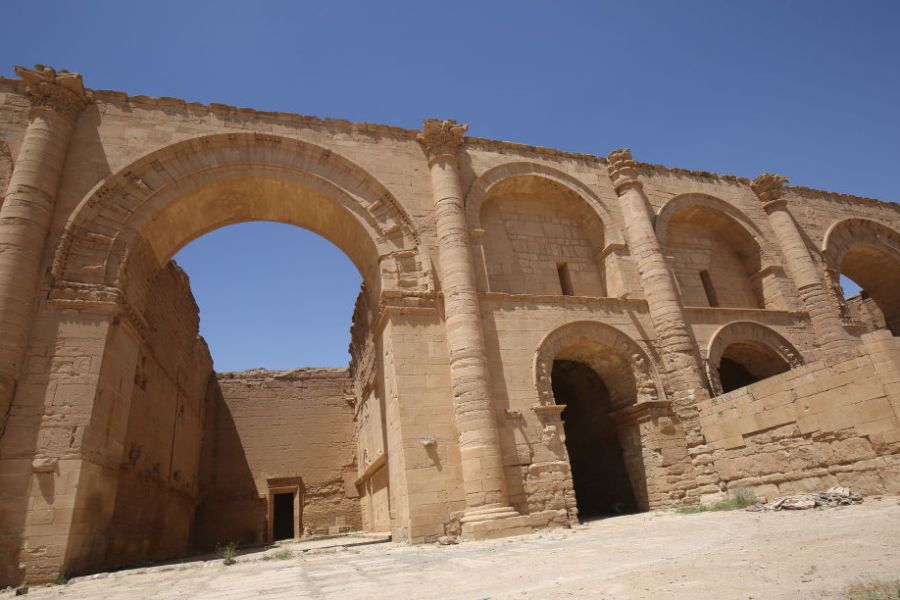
(274, 425)
(866, 312)
(369, 418)
(158, 480)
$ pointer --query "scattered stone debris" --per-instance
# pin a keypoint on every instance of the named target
(832, 497)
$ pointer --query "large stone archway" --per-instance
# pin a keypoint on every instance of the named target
(109, 307)
(867, 252)
(133, 222)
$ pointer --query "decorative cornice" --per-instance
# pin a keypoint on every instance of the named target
(441, 139)
(769, 187)
(70, 294)
(622, 169)
(61, 92)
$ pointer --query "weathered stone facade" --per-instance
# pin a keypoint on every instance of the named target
(269, 432)
(507, 287)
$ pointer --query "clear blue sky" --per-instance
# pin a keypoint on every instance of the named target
(810, 89)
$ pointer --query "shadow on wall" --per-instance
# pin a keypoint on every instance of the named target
(229, 508)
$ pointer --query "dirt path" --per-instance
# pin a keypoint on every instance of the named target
(715, 556)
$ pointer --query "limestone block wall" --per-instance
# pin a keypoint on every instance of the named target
(268, 426)
(695, 250)
(423, 459)
(535, 235)
(866, 312)
(158, 474)
(14, 108)
(833, 422)
(46, 426)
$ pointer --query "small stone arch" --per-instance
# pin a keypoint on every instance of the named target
(6, 169)
(867, 252)
(747, 332)
(626, 368)
(136, 219)
(478, 193)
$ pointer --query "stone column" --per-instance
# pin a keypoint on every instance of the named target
(479, 442)
(676, 344)
(56, 99)
(818, 299)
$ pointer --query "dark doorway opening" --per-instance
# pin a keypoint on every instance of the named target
(602, 484)
(744, 363)
(283, 517)
(734, 375)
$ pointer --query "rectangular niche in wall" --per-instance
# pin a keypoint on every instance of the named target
(711, 298)
(565, 279)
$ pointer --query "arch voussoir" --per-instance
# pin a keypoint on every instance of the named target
(109, 223)
(479, 190)
(625, 366)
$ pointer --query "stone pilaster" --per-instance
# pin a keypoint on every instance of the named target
(676, 344)
(479, 442)
(819, 301)
(56, 99)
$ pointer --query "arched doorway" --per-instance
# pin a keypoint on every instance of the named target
(600, 477)
(119, 242)
(745, 352)
(867, 253)
(598, 374)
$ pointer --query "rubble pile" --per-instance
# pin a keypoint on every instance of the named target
(832, 497)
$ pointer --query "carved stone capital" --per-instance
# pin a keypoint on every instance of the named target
(61, 92)
(622, 169)
(769, 187)
(441, 139)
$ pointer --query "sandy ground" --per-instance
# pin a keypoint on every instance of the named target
(796, 555)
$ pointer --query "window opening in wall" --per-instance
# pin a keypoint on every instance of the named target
(565, 279)
(711, 297)
(283, 517)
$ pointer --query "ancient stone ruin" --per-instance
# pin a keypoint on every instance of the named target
(541, 336)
